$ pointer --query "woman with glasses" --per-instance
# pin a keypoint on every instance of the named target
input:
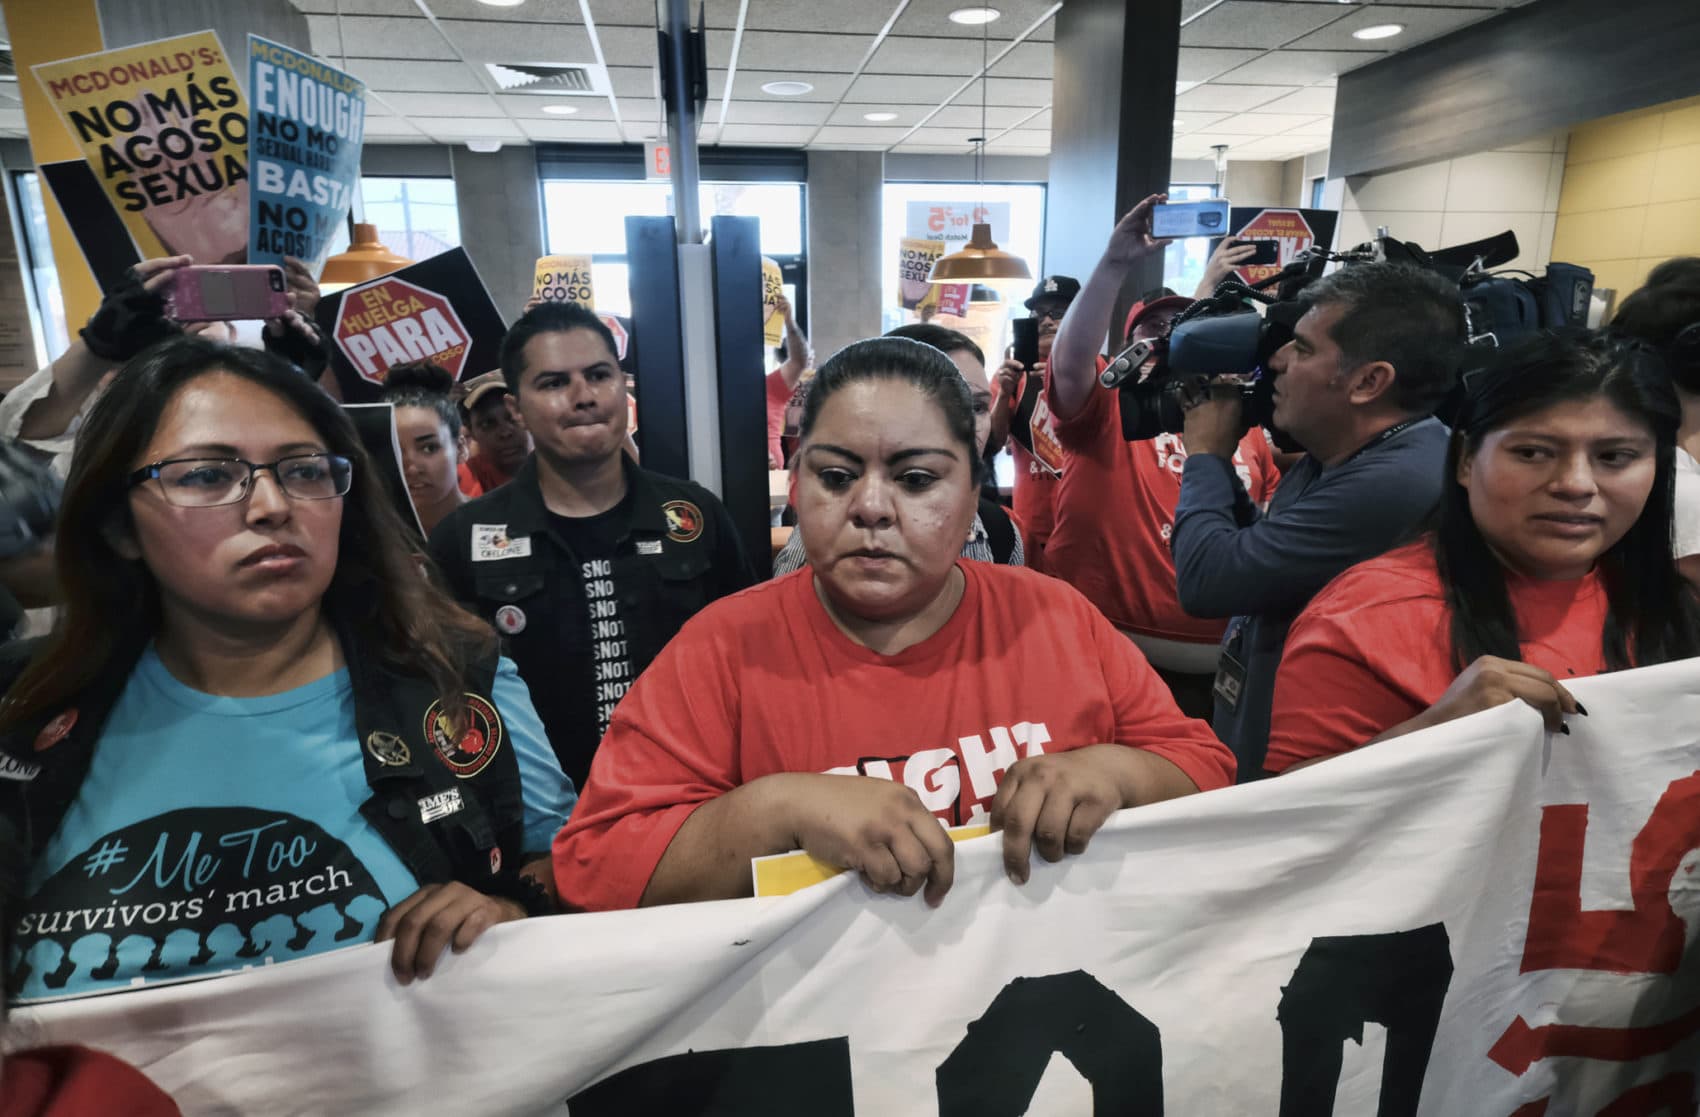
(1550, 559)
(257, 732)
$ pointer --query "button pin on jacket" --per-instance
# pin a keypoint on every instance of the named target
(510, 619)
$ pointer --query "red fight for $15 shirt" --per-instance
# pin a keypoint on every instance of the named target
(763, 682)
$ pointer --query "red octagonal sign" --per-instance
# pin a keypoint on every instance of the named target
(393, 322)
(1287, 228)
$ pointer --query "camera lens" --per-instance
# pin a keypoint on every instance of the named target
(277, 280)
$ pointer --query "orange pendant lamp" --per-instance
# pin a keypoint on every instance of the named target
(365, 259)
(980, 260)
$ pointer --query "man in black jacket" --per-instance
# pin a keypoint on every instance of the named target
(585, 563)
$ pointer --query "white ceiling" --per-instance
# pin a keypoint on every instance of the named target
(1257, 75)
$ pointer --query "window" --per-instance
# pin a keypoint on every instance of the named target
(416, 217)
(1016, 212)
(1316, 187)
(1184, 261)
(46, 303)
(588, 217)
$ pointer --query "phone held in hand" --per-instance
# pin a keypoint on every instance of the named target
(1208, 218)
(226, 293)
(1026, 347)
(1268, 252)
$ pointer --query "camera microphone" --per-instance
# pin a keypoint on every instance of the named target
(1127, 362)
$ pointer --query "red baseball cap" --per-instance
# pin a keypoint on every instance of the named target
(1139, 312)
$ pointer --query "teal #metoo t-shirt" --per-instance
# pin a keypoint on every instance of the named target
(216, 833)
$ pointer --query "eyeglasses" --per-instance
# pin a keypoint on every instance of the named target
(1054, 313)
(209, 482)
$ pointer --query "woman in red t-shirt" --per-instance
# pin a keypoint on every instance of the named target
(1551, 559)
(970, 691)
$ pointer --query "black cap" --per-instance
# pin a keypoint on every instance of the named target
(1054, 288)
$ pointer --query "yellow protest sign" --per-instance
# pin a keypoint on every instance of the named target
(165, 127)
(565, 279)
(772, 290)
(785, 873)
(915, 256)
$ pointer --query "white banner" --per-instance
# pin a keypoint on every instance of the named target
(1477, 920)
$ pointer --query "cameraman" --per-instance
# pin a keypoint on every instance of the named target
(1115, 503)
(1374, 353)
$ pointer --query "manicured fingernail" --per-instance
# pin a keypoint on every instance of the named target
(1581, 709)
(1564, 729)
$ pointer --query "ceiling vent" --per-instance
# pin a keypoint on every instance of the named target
(550, 79)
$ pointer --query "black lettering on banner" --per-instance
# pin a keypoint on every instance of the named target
(1397, 980)
(812, 1078)
(997, 1067)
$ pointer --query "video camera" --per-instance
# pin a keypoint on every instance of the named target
(1224, 335)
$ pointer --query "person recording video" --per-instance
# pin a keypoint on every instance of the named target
(1374, 352)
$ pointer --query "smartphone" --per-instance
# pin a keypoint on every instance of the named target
(1026, 347)
(1190, 219)
(1268, 252)
(225, 293)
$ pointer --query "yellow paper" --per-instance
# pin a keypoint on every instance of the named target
(785, 873)
(565, 279)
(772, 290)
(915, 257)
(164, 125)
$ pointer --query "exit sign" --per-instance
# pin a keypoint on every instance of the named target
(657, 161)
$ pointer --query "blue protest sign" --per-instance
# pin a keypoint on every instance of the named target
(306, 123)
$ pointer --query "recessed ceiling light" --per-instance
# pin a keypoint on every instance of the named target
(1178, 123)
(561, 110)
(787, 88)
(484, 147)
(1379, 31)
(502, 3)
(974, 17)
(879, 117)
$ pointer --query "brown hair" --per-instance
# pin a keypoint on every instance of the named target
(379, 593)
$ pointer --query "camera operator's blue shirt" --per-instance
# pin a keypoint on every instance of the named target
(1263, 569)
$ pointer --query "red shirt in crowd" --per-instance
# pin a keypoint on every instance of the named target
(778, 395)
(1374, 649)
(763, 682)
(1116, 511)
(467, 480)
(1036, 474)
(487, 473)
(77, 1082)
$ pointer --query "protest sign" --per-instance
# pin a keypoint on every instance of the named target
(1293, 231)
(164, 125)
(772, 290)
(953, 222)
(915, 257)
(1482, 918)
(436, 310)
(565, 279)
(306, 125)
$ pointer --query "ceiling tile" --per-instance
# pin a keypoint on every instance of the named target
(1271, 147)
(788, 51)
(932, 18)
(870, 134)
(863, 17)
(389, 127)
(1193, 121)
(746, 85)
(911, 89)
(959, 57)
(1322, 126)
(1315, 100)
(1420, 24)
(1201, 64)
(641, 13)
(358, 7)
(373, 37)
(1230, 98)
(1257, 23)
(1301, 67)
(572, 131)
(773, 110)
(1261, 123)
(955, 138)
(628, 46)
(633, 81)
(548, 12)
(531, 107)
(387, 75)
(444, 104)
(519, 42)
(766, 134)
(1012, 91)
